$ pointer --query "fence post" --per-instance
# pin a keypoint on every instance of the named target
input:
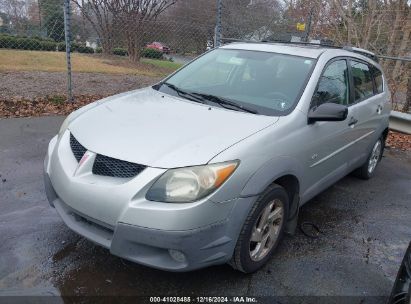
(67, 34)
(217, 42)
(310, 17)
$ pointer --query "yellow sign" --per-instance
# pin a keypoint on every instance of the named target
(301, 27)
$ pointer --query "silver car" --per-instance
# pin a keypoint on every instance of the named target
(212, 164)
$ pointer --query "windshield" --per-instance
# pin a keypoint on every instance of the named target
(261, 82)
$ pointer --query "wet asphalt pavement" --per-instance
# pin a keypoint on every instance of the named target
(365, 229)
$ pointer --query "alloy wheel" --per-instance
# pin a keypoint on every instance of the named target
(375, 157)
(266, 230)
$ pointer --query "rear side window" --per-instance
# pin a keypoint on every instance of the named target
(379, 83)
(363, 86)
(333, 85)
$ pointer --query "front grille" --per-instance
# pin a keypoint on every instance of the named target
(104, 165)
(107, 166)
(77, 148)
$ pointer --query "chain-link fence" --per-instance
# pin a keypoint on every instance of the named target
(32, 26)
(154, 37)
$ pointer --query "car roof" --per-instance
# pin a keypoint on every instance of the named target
(310, 51)
(305, 50)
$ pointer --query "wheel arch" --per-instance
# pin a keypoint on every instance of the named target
(283, 171)
(291, 184)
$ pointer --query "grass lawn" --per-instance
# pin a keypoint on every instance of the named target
(19, 60)
(162, 63)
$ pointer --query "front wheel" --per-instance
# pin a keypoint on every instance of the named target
(262, 230)
(366, 171)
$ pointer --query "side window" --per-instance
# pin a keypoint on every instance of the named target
(379, 83)
(363, 87)
(333, 85)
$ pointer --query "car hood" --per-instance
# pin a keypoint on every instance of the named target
(159, 130)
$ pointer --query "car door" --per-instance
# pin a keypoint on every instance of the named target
(330, 143)
(369, 100)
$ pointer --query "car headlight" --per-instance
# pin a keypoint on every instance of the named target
(189, 184)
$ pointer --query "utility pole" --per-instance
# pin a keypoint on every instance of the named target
(67, 34)
(39, 8)
(310, 17)
(218, 28)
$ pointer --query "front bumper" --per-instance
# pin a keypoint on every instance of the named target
(202, 247)
(144, 232)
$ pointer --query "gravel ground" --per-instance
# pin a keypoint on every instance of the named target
(29, 85)
(365, 229)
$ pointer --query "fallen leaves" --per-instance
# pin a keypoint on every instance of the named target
(400, 141)
(50, 105)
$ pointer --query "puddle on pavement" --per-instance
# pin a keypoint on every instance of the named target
(87, 269)
(104, 274)
(64, 252)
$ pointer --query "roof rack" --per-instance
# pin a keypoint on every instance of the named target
(282, 41)
(360, 51)
(363, 52)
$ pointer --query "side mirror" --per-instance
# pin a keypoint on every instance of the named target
(328, 112)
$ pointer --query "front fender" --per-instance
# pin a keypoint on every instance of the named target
(269, 172)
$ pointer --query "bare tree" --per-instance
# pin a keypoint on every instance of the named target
(16, 10)
(360, 19)
(98, 13)
(34, 13)
(251, 19)
(407, 105)
(134, 15)
(189, 26)
(394, 30)
(404, 46)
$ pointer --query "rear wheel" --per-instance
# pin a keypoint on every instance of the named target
(262, 230)
(366, 171)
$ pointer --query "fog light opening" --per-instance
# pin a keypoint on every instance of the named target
(177, 255)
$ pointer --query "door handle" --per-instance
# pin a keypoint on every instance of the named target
(379, 109)
(352, 122)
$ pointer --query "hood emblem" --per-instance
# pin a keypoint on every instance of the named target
(83, 166)
(83, 159)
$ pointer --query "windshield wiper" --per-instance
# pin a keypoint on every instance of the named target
(225, 103)
(201, 98)
(184, 94)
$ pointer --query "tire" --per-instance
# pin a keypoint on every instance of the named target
(367, 170)
(248, 255)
